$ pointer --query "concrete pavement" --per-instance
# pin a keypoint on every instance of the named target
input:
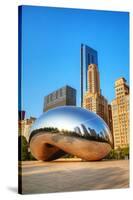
(73, 175)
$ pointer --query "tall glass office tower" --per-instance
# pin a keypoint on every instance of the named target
(88, 56)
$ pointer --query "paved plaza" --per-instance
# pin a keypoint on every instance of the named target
(73, 175)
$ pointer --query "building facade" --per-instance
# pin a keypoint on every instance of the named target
(120, 114)
(61, 97)
(24, 126)
(88, 56)
(93, 79)
(98, 104)
(110, 120)
(21, 115)
(93, 99)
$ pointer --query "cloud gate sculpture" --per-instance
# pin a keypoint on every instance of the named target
(70, 129)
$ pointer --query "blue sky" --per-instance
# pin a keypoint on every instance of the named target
(51, 39)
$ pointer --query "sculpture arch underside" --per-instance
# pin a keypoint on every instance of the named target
(47, 147)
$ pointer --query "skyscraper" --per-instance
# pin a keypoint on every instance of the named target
(93, 79)
(21, 115)
(88, 56)
(93, 99)
(120, 114)
(61, 97)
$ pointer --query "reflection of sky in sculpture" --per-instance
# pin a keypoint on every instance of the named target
(69, 117)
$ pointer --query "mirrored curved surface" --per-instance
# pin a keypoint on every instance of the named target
(70, 129)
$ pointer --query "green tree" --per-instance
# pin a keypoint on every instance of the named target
(31, 157)
(112, 155)
(126, 151)
(22, 148)
(119, 153)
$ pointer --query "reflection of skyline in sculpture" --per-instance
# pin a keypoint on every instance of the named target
(68, 120)
(72, 130)
(90, 133)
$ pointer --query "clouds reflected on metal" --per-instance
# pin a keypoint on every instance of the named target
(70, 129)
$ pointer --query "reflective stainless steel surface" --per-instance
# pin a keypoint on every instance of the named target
(70, 129)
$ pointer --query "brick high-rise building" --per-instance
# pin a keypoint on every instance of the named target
(120, 114)
(93, 99)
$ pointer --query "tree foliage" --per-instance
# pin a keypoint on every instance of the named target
(22, 148)
(119, 153)
(23, 153)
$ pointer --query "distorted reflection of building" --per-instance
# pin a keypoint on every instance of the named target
(24, 126)
(120, 114)
(86, 134)
(61, 97)
(77, 130)
(93, 99)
